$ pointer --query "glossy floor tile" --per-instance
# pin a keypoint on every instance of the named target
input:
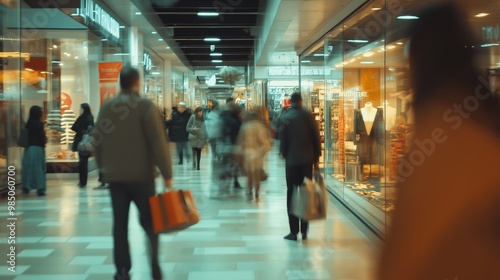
(67, 235)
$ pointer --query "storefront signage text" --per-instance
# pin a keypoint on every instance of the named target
(348, 94)
(96, 15)
(148, 62)
(294, 71)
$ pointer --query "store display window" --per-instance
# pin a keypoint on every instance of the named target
(56, 78)
(364, 103)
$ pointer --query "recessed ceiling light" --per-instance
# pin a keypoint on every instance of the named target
(376, 9)
(306, 61)
(122, 26)
(399, 43)
(215, 54)
(61, 64)
(121, 54)
(368, 54)
(54, 46)
(367, 62)
(216, 61)
(320, 54)
(408, 17)
(154, 32)
(390, 47)
(208, 14)
(480, 15)
(138, 13)
(212, 39)
(104, 40)
(168, 48)
(161, 40)
(358, 41)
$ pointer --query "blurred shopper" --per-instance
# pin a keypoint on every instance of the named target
(231, 124)
(33, 175)
(82, 125)
(213, 124)
(130, 144)
(447, 219)
(275, 123)
(177, 131)
(254, 142)
(301, 148)
(197, 135)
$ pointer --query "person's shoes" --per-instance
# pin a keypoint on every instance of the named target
(26, 191)
(291, 236)
(250, 196)
(122, 277)
(82, 186)
(102, 186)
(237, 185)
(257, 197)
(180, 163)
(198, 168)
(41, 194)
(304, 236)
(79, 185)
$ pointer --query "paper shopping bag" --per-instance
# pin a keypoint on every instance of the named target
(172, 211)
(309, 201)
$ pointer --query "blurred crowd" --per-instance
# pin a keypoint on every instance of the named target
(239, 140)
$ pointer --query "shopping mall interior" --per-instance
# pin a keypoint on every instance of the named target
(347, 58)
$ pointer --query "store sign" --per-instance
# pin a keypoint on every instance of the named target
(354, 94)
(294, 71)
(491, 33)
(95, 14)
(147, 61)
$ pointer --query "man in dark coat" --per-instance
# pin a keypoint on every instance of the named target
(177, 131)
(231, 122)
(301, 148)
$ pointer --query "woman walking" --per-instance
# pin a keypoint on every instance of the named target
(197, 135)
(81, 126)
(33, 175)
(253, 144)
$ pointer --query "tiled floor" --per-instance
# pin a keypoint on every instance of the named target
(67, 235)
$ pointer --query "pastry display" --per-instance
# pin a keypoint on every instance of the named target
(53, 126)
(67, 120)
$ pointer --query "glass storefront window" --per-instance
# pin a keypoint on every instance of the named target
(10, 60)
(364, 103)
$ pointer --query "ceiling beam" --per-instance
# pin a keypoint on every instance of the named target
(215, 43)
(195, 26)
(196, 13)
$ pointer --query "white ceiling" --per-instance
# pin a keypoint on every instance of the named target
(290, 24)
(126, 10)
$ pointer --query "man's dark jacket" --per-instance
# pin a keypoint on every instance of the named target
(300, 141)
(177, 127)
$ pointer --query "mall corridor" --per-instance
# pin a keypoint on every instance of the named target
(67, 236)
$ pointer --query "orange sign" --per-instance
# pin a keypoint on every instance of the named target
(109, 73)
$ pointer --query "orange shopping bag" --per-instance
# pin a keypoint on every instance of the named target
(172, 211)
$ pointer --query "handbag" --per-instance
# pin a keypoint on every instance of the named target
(173, 210)
(263, 175)
(23, 140)
(85, 147)
(309, 201)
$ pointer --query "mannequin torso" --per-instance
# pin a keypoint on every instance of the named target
(369, 114)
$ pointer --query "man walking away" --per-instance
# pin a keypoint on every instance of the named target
(213, 124)
(301, 148)
(130, 143)
(177, 131)
(231, 119)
